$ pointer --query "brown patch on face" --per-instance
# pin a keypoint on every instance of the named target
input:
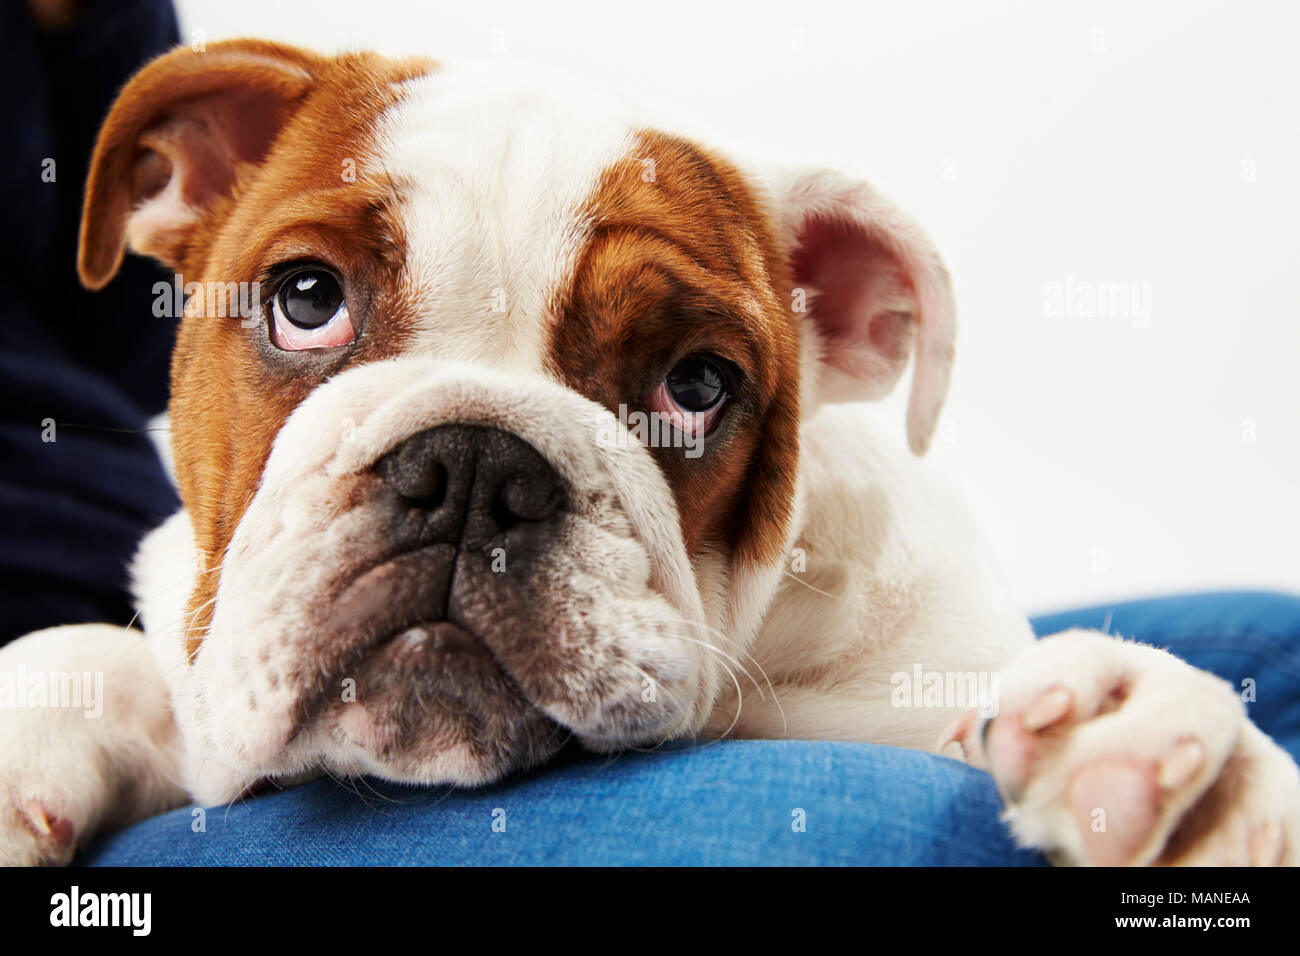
(683, 265)
(231, 392)
(285, 200)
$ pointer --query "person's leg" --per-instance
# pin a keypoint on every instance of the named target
(731, 803)
(735, 802)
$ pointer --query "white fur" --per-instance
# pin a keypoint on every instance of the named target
(895, 575)
(495, 165)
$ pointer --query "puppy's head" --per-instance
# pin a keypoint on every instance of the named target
(485, 402)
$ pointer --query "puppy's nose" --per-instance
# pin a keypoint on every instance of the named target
(471, 483)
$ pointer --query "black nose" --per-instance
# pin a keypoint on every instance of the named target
(471, 483)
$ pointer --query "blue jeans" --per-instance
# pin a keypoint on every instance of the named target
(726, 803)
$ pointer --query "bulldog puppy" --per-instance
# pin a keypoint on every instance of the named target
(544, 424)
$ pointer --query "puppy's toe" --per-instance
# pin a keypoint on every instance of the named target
(34, 833)
(1013, 741)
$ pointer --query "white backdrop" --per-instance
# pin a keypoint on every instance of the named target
(1114, 186)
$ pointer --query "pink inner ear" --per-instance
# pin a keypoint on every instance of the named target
(204, 140)
(859, 297)
(829, 258)
(150, 175)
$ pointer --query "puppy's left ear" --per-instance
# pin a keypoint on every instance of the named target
(875, 290)
(177, 139)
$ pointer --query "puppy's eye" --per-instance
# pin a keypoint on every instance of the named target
(310, 311)
(696, 384)
(691, 395)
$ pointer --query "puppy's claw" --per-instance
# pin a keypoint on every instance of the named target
(1050, 708)
(51, 838)
(1183, 763)
(957, 735)
(37, 819)
(1267, 844)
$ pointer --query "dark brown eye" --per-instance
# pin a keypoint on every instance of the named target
(309, 298)
(692, 395)
(696, 384)
(310, 311)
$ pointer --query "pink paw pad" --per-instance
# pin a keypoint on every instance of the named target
(1116, 803)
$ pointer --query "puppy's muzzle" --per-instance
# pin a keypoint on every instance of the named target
(467, 503)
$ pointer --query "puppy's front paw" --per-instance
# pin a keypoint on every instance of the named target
(90, 743)
(1111, 753)
(33, 832)
(53, 784)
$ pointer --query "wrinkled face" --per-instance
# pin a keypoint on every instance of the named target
(504, 443)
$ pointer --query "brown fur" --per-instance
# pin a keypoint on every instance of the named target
(299, 117)
(682, 264)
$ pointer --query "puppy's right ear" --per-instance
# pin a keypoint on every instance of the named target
(877, 292)
(175, 142)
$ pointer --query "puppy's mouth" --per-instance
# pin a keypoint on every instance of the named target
(398, 677)
(428, 644)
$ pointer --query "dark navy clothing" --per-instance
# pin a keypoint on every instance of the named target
(72, 510)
